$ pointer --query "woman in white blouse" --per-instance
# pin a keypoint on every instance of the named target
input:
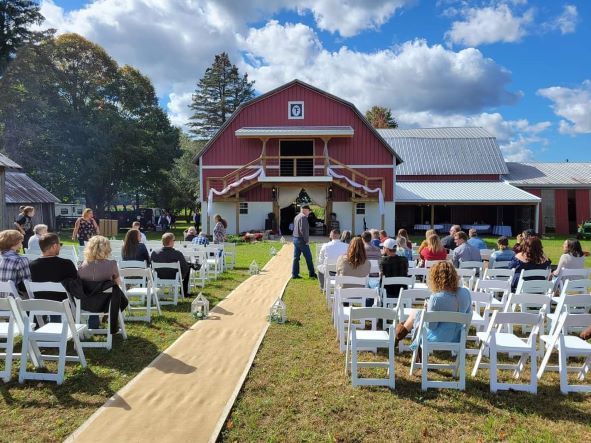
(572, 257)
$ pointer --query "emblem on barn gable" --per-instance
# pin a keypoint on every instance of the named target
(295, 110)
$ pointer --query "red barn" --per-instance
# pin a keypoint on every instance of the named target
(295, 138)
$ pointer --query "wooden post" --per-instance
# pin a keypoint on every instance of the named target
(432, 216)
(264, 154)
(353, 211)
(295, 167)
(237, 216)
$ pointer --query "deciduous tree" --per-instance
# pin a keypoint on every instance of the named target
(381, 117)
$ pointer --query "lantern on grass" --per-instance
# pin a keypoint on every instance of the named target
(200, 307)
(278, 312)
(253, 268)
(273, 251)
(282, 240)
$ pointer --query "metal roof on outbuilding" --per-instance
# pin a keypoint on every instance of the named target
(20, 188)
(462, 192)
(8, 163)
(446, 151)
(549, 175)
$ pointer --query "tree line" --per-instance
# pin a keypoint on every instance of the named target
(83, 126)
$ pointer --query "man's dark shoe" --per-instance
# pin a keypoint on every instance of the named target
(296, 276)
(314, 277)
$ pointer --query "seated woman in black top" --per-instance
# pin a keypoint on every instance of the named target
(133, 249)
(531, 257)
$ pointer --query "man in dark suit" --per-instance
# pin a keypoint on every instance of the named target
(448, 241)
(167, 254)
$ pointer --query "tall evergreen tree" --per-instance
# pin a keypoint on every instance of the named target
(219, 92)
(381, 117)
(16, 18)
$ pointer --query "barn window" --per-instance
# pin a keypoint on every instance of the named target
(360, 209)
(243, 208)
(295, 110)
(64, 211)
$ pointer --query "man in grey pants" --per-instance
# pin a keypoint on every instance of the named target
(301, 238)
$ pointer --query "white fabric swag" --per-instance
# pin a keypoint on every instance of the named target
(360, 186)
(212, 191)
(287, 195)
(317, 195)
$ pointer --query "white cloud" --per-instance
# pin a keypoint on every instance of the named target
(488, 25)
(566, 22)
(412, 77)
(516, 138)
(572, 104)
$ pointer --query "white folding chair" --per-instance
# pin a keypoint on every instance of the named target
(431, 263)
(494, 341)
(477, 265)
(173, 285)
(481, 312)
(229, 255)
(83, 316)
(568, 346)
(391, 302)
(138, 286)
(330, 267)
(458, 349)
(420, 277)
(500, 264)
(496, 288)
(571, 303)
(50, 335)
(485, 254)
(570, 274)
(499, 274)
(214, 261)
(467, 277)
(339, 281)
(198, 277)
(132, 264)
(361, 338)
(535, 274)
(531, 303)
(8, 328)
(347, 298)
(408, 300)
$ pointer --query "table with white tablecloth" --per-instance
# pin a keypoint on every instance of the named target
(502, 230)
(479, 228)
(420, 227)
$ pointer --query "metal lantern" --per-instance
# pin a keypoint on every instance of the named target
(282, 240)
(200, 307)
(278, 312)
(273, 251)
(254, 268)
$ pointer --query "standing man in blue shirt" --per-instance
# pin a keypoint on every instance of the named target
(301, 239)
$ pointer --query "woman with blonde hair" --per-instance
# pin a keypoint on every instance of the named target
(97, 268)
(85, 227)
(428, 234)
(354, 263)
(446, 296)
(434, 250)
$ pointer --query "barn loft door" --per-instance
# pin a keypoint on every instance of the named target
(293, 162)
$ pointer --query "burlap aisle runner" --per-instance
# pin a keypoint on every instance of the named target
(186, 393)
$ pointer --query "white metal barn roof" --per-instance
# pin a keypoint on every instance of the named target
(461, 192)
(445, 151)
(552, 175)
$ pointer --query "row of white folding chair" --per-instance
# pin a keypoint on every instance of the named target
(570, 274)
(361, 339)
(339, 281)
(21, 315)
(160, 285)
(57, 288)
(347, 299)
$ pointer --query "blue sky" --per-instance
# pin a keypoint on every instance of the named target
(519, 68)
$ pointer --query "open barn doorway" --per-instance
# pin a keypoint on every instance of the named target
(291, 164)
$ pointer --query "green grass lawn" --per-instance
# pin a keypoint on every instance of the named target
(43, 411)
(297, 390)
